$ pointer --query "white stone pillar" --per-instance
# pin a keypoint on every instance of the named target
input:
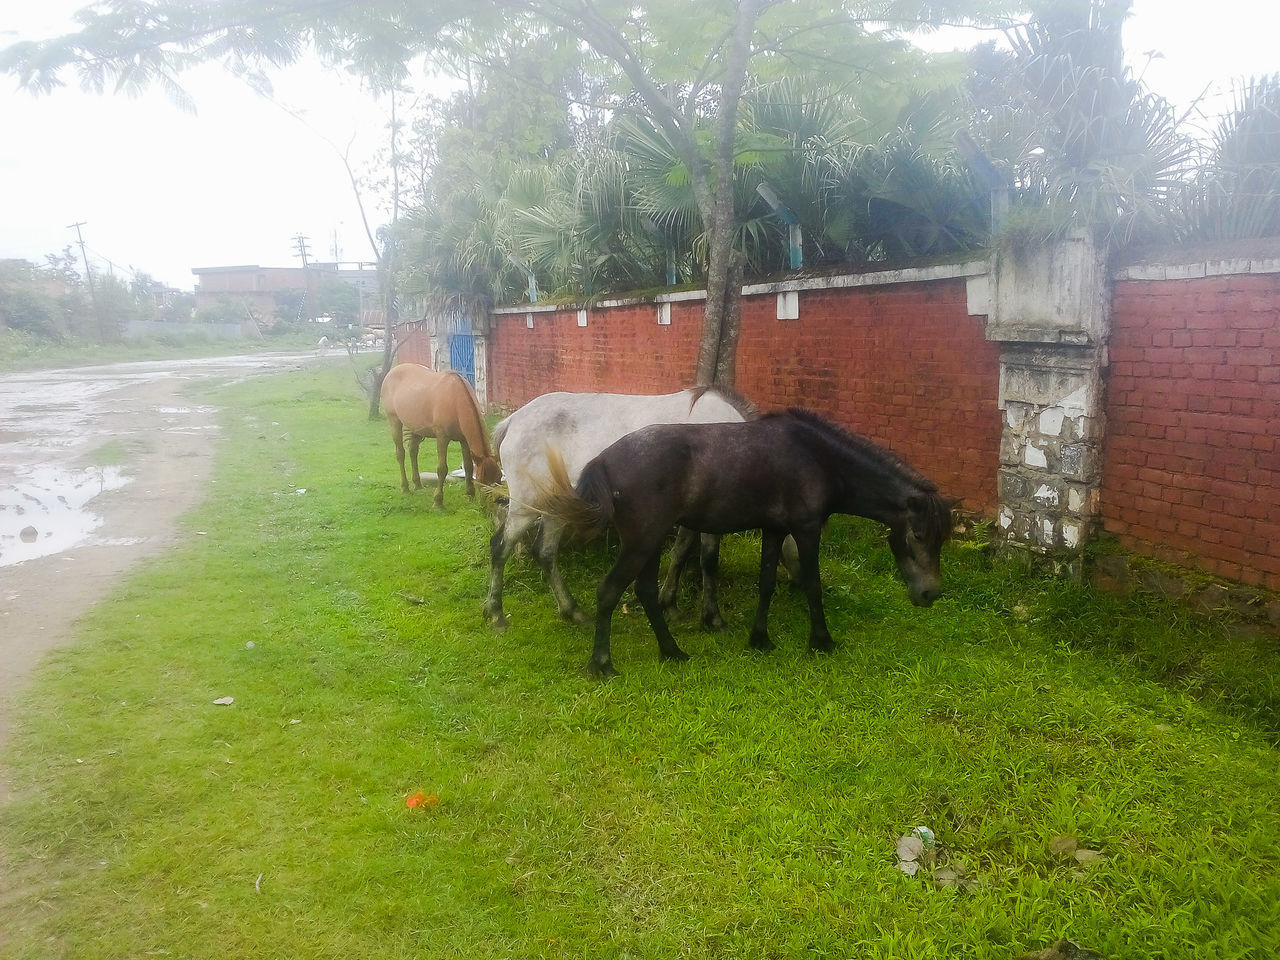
(1051, 317)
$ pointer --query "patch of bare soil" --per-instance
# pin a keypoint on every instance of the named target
(168, 459)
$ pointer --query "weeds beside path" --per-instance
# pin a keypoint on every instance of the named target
(735, 806)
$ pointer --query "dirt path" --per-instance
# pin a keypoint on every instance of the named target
(59, 556)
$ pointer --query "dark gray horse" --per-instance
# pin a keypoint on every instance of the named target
(785, 473)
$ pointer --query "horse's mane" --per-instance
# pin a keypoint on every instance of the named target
(937, 508)
(729, 396)
(476, 426)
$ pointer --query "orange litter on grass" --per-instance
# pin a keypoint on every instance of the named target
(420, 799)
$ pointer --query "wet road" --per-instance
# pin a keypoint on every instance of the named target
(96, 465)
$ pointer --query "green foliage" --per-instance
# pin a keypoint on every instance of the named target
(117, 304)
(1076, 135)
(738, 805)
(337, 299)
(33, 300)
(617, 213)
(685, 70)
(597, 147)
(26, 309)
(1236, 193)
(227, 309)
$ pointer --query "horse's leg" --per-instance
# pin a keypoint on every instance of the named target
(647, 592)
(468, 467)
(415, 442)
(680, 554)
(442, 466)
(811, 580)
(548, 548)
(770, 548)
(501, 546)
(397, 434)
(709, 563)
(624, 570)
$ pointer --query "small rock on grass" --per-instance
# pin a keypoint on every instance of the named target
(910, 849)
(1062, 950)
(1070, 847)
(1063, 846)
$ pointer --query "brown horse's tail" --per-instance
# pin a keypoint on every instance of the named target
(584, 513)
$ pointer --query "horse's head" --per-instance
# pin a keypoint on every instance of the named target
(916, 537)
(488, 471)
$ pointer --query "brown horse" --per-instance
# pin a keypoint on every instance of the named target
(426, 403)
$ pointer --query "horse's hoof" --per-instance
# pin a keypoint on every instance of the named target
(498, 621)
(675, 654)
(822, 645)
(712, 622)
(602, 671)
(578, 616)
(671, 613)
(761, 642)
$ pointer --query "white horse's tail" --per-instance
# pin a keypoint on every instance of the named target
(744, 407)
(500, 431)
(584, 512)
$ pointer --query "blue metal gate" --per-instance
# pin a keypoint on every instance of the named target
(462, 347)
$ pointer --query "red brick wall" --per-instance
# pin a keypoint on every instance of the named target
(1191, 459)
(902, 363)
(620, 350)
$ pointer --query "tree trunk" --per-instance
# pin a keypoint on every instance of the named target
(714, 312)
(727, 358)
(718, 351)
(711, 180)
(386, 267)
(387, 283)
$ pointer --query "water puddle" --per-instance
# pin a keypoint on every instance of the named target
(45, 509)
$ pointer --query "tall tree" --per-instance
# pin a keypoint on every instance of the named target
(684, 65)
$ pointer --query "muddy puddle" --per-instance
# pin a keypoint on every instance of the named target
(46, 509)
(53, 421)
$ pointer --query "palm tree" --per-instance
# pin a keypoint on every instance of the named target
(1236, 194)
(1084, 144)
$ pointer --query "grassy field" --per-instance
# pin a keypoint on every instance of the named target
(393, 780)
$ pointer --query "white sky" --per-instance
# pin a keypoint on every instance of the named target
(163, 191)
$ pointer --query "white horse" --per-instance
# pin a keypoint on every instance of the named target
(579, 426)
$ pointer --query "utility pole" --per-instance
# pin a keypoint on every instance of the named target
(300, 244)
(88, 276)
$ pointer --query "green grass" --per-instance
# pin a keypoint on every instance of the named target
(740, 805)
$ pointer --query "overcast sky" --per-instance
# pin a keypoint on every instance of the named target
(162, 191)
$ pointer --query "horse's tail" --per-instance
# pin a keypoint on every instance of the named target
(744, 407)
(500, 431)
(583, 512)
